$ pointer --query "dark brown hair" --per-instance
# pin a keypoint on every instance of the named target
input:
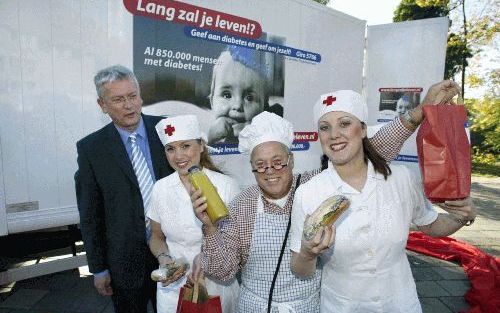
(380, 165)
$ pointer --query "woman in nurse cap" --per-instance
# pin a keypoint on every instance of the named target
(365, 268)
(176, 232)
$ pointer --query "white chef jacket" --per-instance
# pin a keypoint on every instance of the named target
(366, 270)
(171, 207)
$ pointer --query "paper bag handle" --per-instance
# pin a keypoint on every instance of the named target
(196, 291)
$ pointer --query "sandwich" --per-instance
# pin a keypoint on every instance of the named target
(325, 215)
(168, 270)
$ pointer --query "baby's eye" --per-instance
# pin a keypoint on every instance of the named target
(250, 97)
(185, 146)
(226, 95)
(169, 149)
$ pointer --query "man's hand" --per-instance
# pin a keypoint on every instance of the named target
(103, 284)
(200, 206)
(196, 274)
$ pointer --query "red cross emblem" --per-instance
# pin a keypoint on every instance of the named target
(169, 130)
(329, 100)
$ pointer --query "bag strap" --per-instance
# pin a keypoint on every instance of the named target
(270, 300)
(196, 291)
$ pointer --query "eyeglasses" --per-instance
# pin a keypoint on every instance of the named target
(122, 99)
(277, 166)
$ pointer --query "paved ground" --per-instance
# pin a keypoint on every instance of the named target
(440, 284)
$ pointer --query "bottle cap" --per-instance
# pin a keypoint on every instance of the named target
(194, 168)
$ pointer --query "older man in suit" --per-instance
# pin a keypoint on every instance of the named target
(117, 166)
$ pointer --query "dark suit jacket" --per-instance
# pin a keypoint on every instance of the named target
(111, 207)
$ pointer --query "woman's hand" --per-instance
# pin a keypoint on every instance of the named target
(462, 210)
(439, 93)
(179, 273)
(303, 264)
(460, 213)
(323, 240)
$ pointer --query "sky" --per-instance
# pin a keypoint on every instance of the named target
(373, 12)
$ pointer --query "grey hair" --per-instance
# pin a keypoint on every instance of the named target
(285, 148)
(112, 74)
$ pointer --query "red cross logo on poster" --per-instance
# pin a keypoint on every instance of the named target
(169, 130)
(329, 100)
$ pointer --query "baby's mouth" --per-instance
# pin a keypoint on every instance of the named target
(238, 117)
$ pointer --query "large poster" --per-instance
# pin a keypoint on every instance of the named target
(225, 79)
(226, 67)
(226, 85)
(395, 102)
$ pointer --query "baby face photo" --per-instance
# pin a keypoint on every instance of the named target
(224, 85)
(395, 102)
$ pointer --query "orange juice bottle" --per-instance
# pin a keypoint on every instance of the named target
(216, 209)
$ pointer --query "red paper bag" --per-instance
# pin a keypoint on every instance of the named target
(210, 305)
(444, 153)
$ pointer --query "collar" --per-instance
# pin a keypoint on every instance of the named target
(279, 202)
(343, 187)
(140, 130)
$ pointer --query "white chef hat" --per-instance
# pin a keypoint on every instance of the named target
(265, 127)
(342, 100)
(180, 127)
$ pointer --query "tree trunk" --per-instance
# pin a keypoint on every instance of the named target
(464, 58)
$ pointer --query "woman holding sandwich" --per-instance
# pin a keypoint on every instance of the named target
(362, 256)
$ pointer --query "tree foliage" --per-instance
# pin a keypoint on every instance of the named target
(485, 128)
(456, 50)
(410, 10)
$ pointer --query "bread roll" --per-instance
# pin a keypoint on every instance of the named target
(168, 270)
(325, 215)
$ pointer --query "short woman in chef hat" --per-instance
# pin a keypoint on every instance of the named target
(176, 232)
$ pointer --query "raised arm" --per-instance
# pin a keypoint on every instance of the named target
(221, 248)
(390, 138)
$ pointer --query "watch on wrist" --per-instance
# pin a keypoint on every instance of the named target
(163, 254)
(463, 222)
(407, 116)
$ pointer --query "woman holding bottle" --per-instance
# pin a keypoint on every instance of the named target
(176, 232)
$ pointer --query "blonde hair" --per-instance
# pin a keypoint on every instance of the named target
(206, 160)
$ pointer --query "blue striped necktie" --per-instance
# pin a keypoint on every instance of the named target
(144, 178)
